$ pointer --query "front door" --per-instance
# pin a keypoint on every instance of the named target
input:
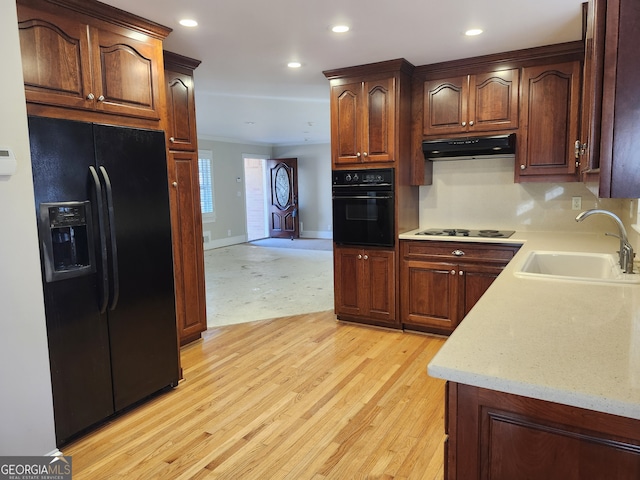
(283, 205)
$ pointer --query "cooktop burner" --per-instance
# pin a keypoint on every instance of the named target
(463, 232)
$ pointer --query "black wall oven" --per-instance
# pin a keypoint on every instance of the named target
(363, 207)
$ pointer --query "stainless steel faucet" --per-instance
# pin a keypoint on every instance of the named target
(626, 250)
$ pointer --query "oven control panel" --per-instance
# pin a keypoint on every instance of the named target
(379, 176)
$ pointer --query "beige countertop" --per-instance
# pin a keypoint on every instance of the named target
(574, 343)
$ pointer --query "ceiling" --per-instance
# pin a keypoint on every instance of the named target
(246, 93)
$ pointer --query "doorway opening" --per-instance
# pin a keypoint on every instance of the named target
(256, 197)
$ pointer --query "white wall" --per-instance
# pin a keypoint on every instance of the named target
(314, 187)
(481, 193)
(26, 407)
(230, 226)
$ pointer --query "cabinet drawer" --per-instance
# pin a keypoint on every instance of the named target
(464, 251)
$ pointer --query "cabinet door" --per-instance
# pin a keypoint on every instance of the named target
(380, 278)
(590, 121)
(181, 111)
(493, 101)
(187, 245)
(56, 61)
(549, 122)
(126, 74)
(378, 116)
(499, 436)
(475, 279)
(349, 294)
(345, 127)
(445, 105)
(430, 294)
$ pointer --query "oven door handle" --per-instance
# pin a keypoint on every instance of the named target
(362, 197)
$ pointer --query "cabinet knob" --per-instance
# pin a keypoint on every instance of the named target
(101, 98)
(522, 167)
(91, 96)
(460, 272)
(366, 257)
(453, 272)
(358, 154)
(359, 257)
(464, 124)
(175, 184)
(471, 123)
(171, 139)
(457, 253)
(365, 154)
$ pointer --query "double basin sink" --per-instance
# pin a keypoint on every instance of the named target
(574, 266)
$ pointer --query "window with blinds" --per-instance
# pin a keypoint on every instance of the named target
(205, 171)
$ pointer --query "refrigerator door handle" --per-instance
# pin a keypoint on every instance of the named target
(103, 240)
(112, 232)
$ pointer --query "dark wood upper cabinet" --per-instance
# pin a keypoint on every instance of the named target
(181, 103)
(482, 102)
(620, 142)
(590, 121)
(87, 56)
(363, 121)
(371, 114)
(549, 122)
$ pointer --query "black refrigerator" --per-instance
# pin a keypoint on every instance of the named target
(102, 202)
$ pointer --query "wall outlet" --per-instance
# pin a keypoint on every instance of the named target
(576, 203)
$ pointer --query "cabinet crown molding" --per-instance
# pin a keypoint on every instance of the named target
(108, 14)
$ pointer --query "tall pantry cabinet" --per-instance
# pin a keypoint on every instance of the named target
(371, 128)
(185, 196)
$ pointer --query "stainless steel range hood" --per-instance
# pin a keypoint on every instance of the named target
(469, 147)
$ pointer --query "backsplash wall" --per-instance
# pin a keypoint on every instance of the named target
(481, 193)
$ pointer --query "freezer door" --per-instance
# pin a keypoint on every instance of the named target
(61, 153)
(142, 322)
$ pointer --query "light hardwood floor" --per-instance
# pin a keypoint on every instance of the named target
(302, 397)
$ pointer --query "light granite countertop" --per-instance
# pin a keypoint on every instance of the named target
(574, 343)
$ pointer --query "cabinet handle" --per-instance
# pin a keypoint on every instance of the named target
(460, 272)
(171, 139)
(175, 184)
(522, 167)
(101, 98)
(358, 154)
(471, 123)
(457, 253)
(453, 272)
(91, 96)
(365, 154)
(464, 124)
(359, 257)
(366, 257)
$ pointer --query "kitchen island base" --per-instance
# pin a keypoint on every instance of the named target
(501, 436)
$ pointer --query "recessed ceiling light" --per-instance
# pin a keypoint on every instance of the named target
(340, 29)
(473, 32)
(188, 22)
(294, 64)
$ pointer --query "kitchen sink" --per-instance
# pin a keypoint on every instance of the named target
(575, 266)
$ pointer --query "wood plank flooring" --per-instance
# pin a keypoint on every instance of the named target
(302, 397)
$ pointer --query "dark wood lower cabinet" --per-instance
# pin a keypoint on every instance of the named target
(441, 281)
(365, 285)
(500, 436)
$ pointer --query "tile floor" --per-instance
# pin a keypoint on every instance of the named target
(246, 282)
